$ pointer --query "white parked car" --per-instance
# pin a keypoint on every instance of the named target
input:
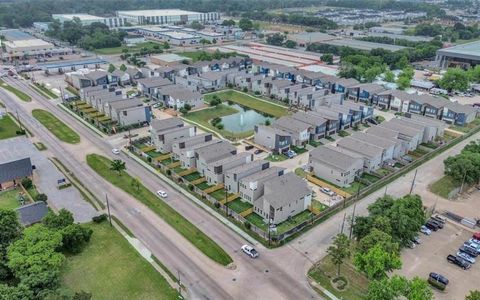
(162, 194)
(115, 151)
(425, 230)
(327, 191)
(466, 257)
(250, 251)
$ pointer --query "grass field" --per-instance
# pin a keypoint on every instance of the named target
(16, 92)
(276, 157)
(101, 165)
(323, 271)
(136, 48)
(57, 127)
(250, 101)
(46, 91)
(9, 200)
(193, 55)
(110, 268)
(444, 186)
(204, 116)
(8, 128)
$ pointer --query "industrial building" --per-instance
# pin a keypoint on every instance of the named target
(87, 19)
(465, 55)
(166, 16)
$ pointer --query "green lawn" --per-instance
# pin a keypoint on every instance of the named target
(314, 143)
(9, 199)
(323, 271)
(40, 146)
(204, 116)
(192, 177)
(353, 188)
(294, 221)
(136, 48)
(44, 91)
(8, 128)
(110, 268)
(238, 205)
(300, 172)
(276, 157)
(257, 221)
(250, 101)
(369, 177)
(16, 92)
(384, 171)
(57, 127)
(343, 133)
(444, 186)
(203, 186)
(193, 55)
(101, 165)
(298, 150)
(218, 194)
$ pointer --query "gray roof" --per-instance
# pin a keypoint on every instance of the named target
(164, 124)
(276, 131)
(282, 190)
(383, 132)
(398, 94)
(403, 122)
(94, 75)
(311, 119)
(373, 139)
(179, 92)
(426, 120)
(371, 87)
(290, 124)
(347, 82)
(467, 50)
(262, 175)
(238, 156)
(332, 156)
(246, 167)
(460, 108)
(403, 129)
(127, 103)
(366, 149)
(196, 138)
(214, 75)
(152, 82)
(216, 151)
(15, 169)
(281, 83)
(32, 213)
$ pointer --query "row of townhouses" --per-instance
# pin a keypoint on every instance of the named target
(274, 194)
(370, 150)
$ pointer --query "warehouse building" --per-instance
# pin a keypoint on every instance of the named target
(166, 16)
(87, 19)
(465, 55)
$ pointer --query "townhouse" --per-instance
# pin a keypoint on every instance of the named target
(128, 111)
(372, 155)
(176, 97)
(388, 146)
(215, 170)
(318, 124)
(206, 155)
(280, 88)
(298, 130)
(343, 117)
(163, 138)
(367, 93)
(149, 86)
(394, 100)
(118, 77)
(235, 175)
(402, 145)
(274, 139)
(331, 164)
(458, 114)
(333, 124)
(284, 197)
(187, 155)
(308, 97)
(251, 186)
(354, 115)
(341, 85)
(182, 144)
(366, 111)
(413, 136)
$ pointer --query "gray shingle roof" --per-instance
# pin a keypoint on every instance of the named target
(15, 169)
(32, 213)
(152, 82)
(282, 190)
(246, 167)
(290, 124)
(332, 156)
(164, 124)
(216, 151)
(178, 92)
(262, 175)
(127, 103)
(373, 139)
(313, 120)
(357, 146)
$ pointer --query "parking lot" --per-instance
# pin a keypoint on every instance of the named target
(430, 256)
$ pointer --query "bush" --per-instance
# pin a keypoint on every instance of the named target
(230, 85)
(257, 93)
(245, 90)
(100, 218)
(190, 187)
(41, 197)
(27, 183)
(169, 172)
(219, 126)
(20, 132)
(217, 205)
(247, 225)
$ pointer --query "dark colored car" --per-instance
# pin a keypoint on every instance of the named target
(469, 250)
(459, 261)
(438, 278)
(248, 147)
(439, 224)
(438, 219)
(258, 151)
(431, 226)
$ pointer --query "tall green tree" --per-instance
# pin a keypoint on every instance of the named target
(10, 231)
(377, 237)
(245, 24)
(327, 57)
(376, 262)
(389, 76)
(118, 165)
(111, 68)
(339, 250)
(290, 44)
(474, 295)
(399, 287)
(455, 79)
(58, 221)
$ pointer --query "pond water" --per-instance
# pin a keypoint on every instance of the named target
(244, 120)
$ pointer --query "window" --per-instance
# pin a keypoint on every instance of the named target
(125, 113)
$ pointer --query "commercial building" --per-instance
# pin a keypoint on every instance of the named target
(166, 16)
(465, 55)
(362, 45)
(87, 19)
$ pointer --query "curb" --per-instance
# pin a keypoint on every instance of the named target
(194, 199)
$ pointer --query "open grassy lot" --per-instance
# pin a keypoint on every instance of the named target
(444, 186)
(9, 199)
(16, 92)
(46, 91)
(57, 127)
(323, 271)
(204, 116)
(136, 48)
(110, 268)
(8, 128)
(101, 165)
(249, 101)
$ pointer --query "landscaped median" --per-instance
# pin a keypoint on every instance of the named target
(101, 165)
(16, 92)
(57, 127)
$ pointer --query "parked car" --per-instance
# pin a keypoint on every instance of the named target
(258, 151)
(162, 194)
(115, 151)
(248, 147)
(438, 278)
(327, 191)
(469, 250)
(250, 251)
(411, 245)
(439, 224)
(417, 240)
(476, 236)
(466, 257)
(291, 154)
(424, 229)
(458, 261)
(431, 226)
(439, 219)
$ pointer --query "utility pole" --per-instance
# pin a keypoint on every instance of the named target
(108, 210)
(343, 223)
(179, 283)
(385, 193)
(353, 220)
(18, 119)
(413, 182)
(463, 180)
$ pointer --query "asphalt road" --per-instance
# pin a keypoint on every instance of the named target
(266, 277)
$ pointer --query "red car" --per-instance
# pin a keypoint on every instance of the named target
(476, 236)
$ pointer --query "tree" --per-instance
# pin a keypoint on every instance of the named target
(196, 25)
(123, 68)
(118, 165)
(135, 183)
(290, 44)
(267, 122)
(245, 24)
(474, 295)
(463, 167)
(276, 39)
(34, 260)
(327, 57)
(398, 287)
(41, 197)
(228, 22)
(82, 295)
(10, 230)
(204, 42)
(403, 82)
(406, 217)
(376, 262)
(27, 183)
(111, 68)
(60, 221)
(75, 237)
(377, 237)
(389, 76)
(339, 251)
(455, 79)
